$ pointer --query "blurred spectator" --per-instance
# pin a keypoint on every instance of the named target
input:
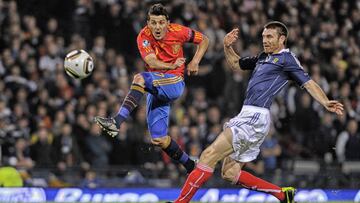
(20, 155)
(200, 102)
(305, 123)
(270, 151)
(325, 140)
(82, 18)
(214, 115)
(49, 61)
(90, 180)
(122, 147)
(348, 143)
(99, 147)
(41, 148)
(66, 150)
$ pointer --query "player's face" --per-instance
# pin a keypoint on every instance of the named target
(158, 26)
(272, 41)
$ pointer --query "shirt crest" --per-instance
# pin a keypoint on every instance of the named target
(176, 48)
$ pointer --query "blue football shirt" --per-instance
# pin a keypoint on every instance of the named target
(271, 72)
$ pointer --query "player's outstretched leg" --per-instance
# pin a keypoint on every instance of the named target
(219, 149)
(132, 99)
(231, 171)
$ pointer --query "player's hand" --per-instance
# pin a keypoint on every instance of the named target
(179, 62)
(335, 107)
(231, 37)
(193, 68)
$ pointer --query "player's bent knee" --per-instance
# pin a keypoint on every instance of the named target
(161, 141)
(156, 141)
(229, 174)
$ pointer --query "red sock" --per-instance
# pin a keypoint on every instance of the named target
(254, 183)
(194, 181)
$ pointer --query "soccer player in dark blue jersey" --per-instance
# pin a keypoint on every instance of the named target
(242, 136)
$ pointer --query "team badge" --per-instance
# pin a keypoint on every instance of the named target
(176, 48)
(275, 60)
(145, 43)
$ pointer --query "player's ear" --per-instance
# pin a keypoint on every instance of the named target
(282, 39)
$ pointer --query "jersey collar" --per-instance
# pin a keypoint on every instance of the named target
(283, 50)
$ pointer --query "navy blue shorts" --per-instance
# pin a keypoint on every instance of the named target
(163, 89)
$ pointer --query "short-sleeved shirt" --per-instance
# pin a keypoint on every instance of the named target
(271, 72)
(170, 47)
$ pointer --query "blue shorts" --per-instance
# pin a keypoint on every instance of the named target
(163, 89)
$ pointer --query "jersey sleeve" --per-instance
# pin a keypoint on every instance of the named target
(190, 35)
(248, 63)
(144, 46)
(295, 70)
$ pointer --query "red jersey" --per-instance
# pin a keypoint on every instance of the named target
(169, 48)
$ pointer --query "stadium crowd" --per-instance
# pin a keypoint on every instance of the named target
(46, 117)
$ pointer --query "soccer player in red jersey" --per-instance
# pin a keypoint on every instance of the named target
(161, 46)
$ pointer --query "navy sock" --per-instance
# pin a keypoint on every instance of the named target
(174, 151)
(131, 101)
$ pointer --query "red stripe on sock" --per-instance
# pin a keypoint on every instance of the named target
(254, 183)
(194, 181)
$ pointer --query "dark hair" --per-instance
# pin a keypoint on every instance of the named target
(158, 10)
(280, 27)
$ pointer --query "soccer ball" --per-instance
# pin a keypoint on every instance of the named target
(78, 64)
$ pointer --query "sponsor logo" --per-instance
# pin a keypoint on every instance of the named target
(357, 197)
(36, 195)
(22, 195)
(75, 195)
(244, 195)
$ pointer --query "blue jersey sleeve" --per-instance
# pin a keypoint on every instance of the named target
(295, 71)
(249, 63)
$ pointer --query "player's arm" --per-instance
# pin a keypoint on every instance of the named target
(155, 63)
(202, 42)
(297, 73)
(149, 56)
(232, 58)
(318, 94)
(200, 50)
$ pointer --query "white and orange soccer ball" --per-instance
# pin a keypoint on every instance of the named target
(78, 64)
